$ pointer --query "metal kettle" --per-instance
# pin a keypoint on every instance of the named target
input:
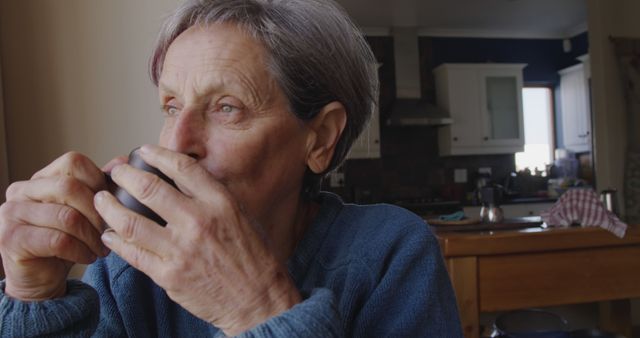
(490, 212)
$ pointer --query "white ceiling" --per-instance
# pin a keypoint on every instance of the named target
(474, 18)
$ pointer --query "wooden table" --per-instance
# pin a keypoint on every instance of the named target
(513, 269)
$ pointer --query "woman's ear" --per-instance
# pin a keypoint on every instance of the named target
(325, 130)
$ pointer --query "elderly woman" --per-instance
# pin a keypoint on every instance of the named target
(260, 100)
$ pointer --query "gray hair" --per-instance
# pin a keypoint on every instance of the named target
(316, 54)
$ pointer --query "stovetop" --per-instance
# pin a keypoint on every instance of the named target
(429, 206)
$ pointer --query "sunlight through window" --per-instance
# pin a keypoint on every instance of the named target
(538, 132)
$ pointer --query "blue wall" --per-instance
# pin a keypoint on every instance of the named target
(543, 56)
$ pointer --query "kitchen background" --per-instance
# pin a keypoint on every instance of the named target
(74, 76)
(409, 166)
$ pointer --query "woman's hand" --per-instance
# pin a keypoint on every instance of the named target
(47, 224)
(209, 258)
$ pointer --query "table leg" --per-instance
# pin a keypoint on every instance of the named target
(463, 272)
(615, 316)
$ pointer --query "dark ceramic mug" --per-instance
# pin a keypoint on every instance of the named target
(129, 201)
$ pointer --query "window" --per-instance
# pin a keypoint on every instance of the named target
(538, 130)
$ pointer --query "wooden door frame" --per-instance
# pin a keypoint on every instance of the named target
(4, 165)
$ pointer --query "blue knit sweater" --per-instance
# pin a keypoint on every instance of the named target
(364, 271)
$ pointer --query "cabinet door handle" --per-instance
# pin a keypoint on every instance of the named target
(486, 138)
(455, 139)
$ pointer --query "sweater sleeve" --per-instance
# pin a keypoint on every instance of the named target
(316, 316)
(74, 315)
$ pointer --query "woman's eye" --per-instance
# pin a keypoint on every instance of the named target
(170, 110)
(226, 108)
(229, 112)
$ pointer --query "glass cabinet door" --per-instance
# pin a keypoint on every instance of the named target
(502, 115)
(502, 107)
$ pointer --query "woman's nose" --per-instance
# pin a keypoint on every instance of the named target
(188, 135)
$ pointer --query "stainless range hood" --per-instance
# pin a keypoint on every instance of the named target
(409, 109)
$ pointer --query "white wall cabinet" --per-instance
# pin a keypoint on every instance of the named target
(368, 143)
(576, 108)
(485, 103)
(4, 166)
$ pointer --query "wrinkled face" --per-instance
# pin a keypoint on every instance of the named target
(224, 108)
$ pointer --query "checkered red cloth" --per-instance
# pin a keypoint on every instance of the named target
(583, 206)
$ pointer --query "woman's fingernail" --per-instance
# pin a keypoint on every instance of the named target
(99, 197)
(108, 237)
(145, 149)
(116, 169)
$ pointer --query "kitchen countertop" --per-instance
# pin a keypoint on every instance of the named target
(506, 224)
(534, 239)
